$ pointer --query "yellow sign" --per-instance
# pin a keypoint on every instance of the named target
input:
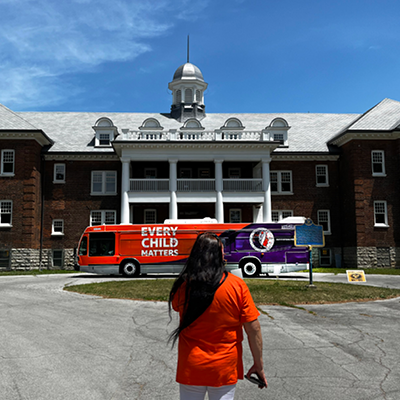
(356, 276)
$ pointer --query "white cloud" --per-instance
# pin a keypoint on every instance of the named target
(40, 41)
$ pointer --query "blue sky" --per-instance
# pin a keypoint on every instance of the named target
(256, 55)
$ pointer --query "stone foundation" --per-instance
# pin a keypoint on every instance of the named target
(371, 257)
(27, 259)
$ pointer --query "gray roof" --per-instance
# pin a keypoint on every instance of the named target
(384, 116)
(9, 120)
(73, 132)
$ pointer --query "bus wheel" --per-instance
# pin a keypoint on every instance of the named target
(250, 268)
(130, 269)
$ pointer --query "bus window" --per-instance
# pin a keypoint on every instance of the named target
(101, 244)
(83, 247)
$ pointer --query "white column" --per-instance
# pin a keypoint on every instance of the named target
(125, 186)
(173, 204)
(267, 204)
(219, 186)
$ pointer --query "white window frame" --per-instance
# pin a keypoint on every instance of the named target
(281, 214)
(4, 161)
(233, 211)
(62, 257)
(321, 170)
(56, 178)
(320, 219)
(57, 227)
(320, 257)
(381, 154)
(279, 182)
(104, 175)
(103, 217)
(381, 203)
(150, 211)
(4, 204)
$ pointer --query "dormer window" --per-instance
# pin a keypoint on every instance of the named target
(277, 131)
(105, 132)
(232, 123)
(192, 124)
(151, 124)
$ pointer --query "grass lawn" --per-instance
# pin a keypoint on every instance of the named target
(288, 293)
(38, 272)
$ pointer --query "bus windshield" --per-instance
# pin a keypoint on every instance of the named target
(101, 244)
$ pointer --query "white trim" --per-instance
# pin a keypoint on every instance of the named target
(381, 224)
(328, 220)
(55, 180)
(2, 173)
(103, 191)
(103, 217)
(326, 175)
(382, 163)
(53, 231)
(8, 224)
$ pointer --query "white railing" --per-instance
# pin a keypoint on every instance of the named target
(192, 135)
(196, 185)
(242, 185)
(149, 185)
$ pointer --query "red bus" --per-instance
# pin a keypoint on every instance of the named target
(130, 250)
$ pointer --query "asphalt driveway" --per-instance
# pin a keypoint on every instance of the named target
(60, 345)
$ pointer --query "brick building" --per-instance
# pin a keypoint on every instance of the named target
(61, 172)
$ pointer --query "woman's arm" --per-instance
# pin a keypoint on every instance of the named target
(253, 331)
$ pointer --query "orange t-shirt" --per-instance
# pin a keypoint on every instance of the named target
(210, 349)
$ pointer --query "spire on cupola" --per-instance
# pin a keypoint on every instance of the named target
(187, 88)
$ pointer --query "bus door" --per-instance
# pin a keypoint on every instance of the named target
(101, 249)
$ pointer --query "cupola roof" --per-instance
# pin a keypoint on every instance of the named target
(188, 71)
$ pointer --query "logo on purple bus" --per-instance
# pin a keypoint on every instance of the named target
(262, 239)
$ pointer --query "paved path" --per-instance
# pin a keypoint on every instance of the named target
(60, 345)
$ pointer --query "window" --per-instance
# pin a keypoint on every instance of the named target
(235, 215)
(325, 257)
(378, 163)
(59, 173)
(279, 137)
(281, 182)
(234, 173)
(150, 173)
(57, 227)
(104, 182)
(185, 173)
(324, 220)
(58, 258)
(5, 212)
(178, 98)
(7, 162)
(103, 217)
(5, 257)
(104, 139)
(150, 216)
(278, 215)
(380, 214)
(321, 173)
(204, 173)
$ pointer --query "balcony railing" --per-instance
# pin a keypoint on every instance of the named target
(242, 185)
(195, 135)
(195, 185)
(149, 185)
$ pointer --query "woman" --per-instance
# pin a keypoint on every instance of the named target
(213, 306)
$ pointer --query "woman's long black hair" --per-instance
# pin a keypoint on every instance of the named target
(202, 273)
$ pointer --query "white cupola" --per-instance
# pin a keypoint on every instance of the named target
(187, 88)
